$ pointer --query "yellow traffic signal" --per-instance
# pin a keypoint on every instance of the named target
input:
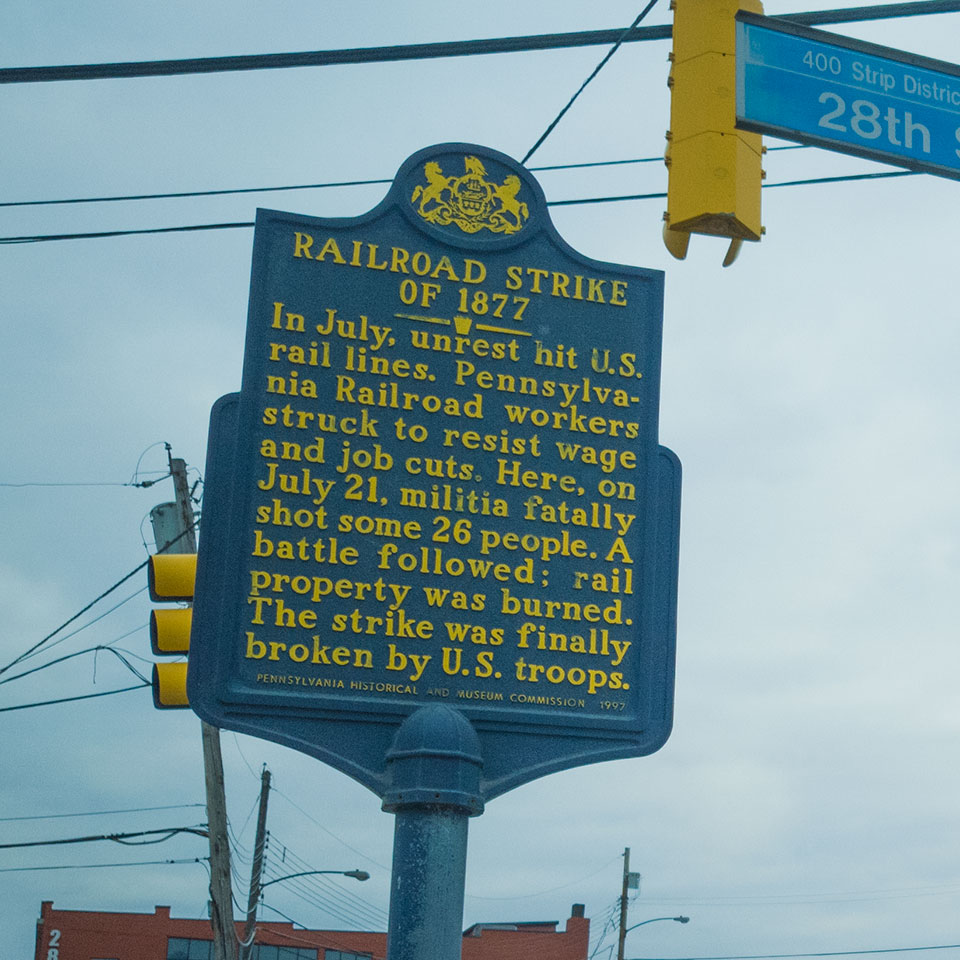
(713, 168)
(171, 576)
(170, 630)
(170, 686)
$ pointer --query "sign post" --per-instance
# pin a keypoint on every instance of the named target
(440, 537)
(842, 94)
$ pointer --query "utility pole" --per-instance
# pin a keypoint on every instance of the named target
(623, 903)
(259, 847)
(221, 895)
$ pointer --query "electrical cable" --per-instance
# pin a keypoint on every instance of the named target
(193, 193)
(83, 610)
(91, 484)
(240, 908)
(46, 238)
(337, 900)
(543, 893)
(322, 58)
(101, 813)
(278, 933)
(849, 178)
(113, 837)
(80, 629)
(328, 942)
(583, 86)
(317, 900)
(253, 809)
(87, 696)
(99, 235)
(610, 924)
(101, 866)
(123, 636)
(325, 882)
(878, 896)
(832, 953)
(312, 186)
(146, 843)
(236, 742)
(136, 469)
(302, 186)
(323, 897)
(78, 614)
(423, 51)
(117, 653)
(275, 790)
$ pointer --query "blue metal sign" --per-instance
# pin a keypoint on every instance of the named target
(441, 483)
(846, 95)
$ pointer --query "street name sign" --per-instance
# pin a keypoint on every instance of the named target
(441, 483)
(846, 95)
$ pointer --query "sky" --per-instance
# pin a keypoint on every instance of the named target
(806, 801)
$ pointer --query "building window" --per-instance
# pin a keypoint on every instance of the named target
(179, 948)
(266, 951)
(345, 955)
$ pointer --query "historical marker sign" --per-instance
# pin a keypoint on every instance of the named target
(842, 94)
(441, 482)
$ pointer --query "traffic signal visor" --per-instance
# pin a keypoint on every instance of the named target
(170, 686)
(171, 577)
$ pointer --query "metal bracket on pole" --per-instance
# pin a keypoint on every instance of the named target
(434, 769)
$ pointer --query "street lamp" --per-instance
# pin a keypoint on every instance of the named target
(654, 920)
(356, 874)
(256, 892)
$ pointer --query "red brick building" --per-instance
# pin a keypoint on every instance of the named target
(90, 935)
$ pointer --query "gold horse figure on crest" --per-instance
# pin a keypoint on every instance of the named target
(507, 195)
(433, 191)
(471, 201)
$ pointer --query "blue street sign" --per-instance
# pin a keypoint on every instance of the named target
(842, 94)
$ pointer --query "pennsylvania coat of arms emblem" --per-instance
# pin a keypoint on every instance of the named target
(471, 201)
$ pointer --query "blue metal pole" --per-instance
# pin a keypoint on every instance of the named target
(434, 767)
(426, 895)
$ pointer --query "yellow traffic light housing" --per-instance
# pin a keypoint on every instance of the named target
(170, 630)
(171, 576)
(170, 686)
(714, 169)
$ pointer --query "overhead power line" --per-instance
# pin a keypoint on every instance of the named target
(101, 866)
(833, 953)
(583, 86)
(77, 615)
(286, 187)
(426, 51)
(86, 696)
(327, 830)
(166, 833)
(333, 895)
(91, 484)
(100, 234)
(47, 238)
(102, 813)
(119, 654)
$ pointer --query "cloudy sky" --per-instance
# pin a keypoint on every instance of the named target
(807, 799)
